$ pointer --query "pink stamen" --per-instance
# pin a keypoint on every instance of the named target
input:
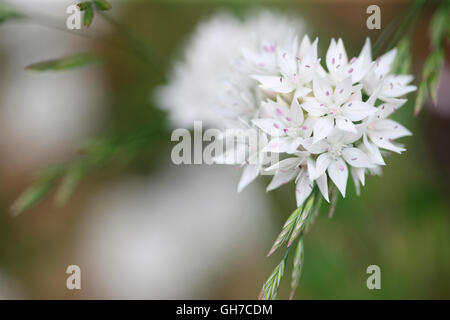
(341, 168)
(350, 70)
(276, 125)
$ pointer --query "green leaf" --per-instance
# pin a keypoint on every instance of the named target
(302, 220)
(69, 183)
(270, 288)
(66, 63)
(402, 62)
(43, 184)
(8, 13)
(84, 5)
(433, 79)
(102, 5)
(30, 197)
(286, 230)
(88, 16)
(297, 268)
(422, 93)
(433, 85)
(439, 24)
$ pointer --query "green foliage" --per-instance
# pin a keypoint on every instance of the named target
(93, 155)
(270, 288)
(102, 5)
(402, 63)
(296, 226)
(88, 16)
(89, 7)
(286, 230)
(297, 267)
(66, 63)
(432, 68)
(43, 184)
(84, 5)
(8, 13)
(302, 220)
(439, 25)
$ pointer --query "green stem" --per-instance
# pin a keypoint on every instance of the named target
(140, 48)
(401, 25)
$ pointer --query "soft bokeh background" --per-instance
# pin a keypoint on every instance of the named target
(155, 230)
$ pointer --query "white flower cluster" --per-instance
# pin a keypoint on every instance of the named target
(322, 121)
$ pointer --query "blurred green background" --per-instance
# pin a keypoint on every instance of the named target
(401, 221)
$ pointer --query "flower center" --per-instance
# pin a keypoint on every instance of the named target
(334, 110)
(294, 132)
(335, 151)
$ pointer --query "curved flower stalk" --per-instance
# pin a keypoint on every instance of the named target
(325, 121)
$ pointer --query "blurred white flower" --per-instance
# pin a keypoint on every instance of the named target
(210, 82)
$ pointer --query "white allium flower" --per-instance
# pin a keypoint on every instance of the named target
(324, 121)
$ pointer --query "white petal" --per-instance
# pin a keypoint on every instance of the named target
(286, 164)
(314, 108)
(281, 177)
(286, 62)
(300, 92)
(390, 129)
(311, 168)
(322, 90)
(366, 51)
(392, 89)
(345, 124)
(336, 58)
(356, 158)
(272, 127)
(294, 143)
(342, 91)
(305, 46)
(384, 143)
(315, 148)
(358, 176)
(338, 136)
(374, 152)
(391, 105)
(322, 128)
(384, 63)
(278, 110)
(296, 112)
(323, 186)
(303, 188)
(274, 83)
(338, 173)
(278, 144)
(357, 110)
(250, 173)
(322, 163)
